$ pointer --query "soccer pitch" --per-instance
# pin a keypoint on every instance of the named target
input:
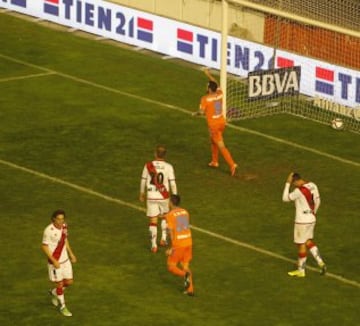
(80, 117)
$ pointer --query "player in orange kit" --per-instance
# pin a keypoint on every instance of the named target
(180, 251)
(212, 106)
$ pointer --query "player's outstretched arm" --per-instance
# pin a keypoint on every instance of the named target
(286, 191)
(209, 75)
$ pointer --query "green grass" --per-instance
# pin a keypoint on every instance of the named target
(93, 123)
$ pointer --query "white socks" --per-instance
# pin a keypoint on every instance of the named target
(316, 254)
(163, 229)
(153, 235)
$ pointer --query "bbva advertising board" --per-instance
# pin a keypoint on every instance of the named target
(272, 83)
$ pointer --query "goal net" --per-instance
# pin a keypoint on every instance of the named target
(321, 37)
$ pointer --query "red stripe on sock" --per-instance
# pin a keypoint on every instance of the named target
(310, 244)
(59, 291)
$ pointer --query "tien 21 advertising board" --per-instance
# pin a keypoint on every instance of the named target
(191, 43)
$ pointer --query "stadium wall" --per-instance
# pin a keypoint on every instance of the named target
(312, 42)
(242, 22)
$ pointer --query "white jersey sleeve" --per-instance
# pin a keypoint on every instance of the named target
(285, 196)
(46, 240)
(316, 196)
(144, 177)
(172, 181)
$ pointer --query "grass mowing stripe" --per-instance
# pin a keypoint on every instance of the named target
(71, 185)
(212, 234)
(272, 254)
(3, 80)
(174, 107)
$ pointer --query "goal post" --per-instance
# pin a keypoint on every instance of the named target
(223, 63)
(323, 42)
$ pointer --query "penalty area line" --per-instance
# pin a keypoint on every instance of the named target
(198, 229)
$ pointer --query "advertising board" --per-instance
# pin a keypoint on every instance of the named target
(191, 43)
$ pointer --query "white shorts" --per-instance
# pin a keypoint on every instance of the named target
(303, 232)
(65, 272)
(156, 208)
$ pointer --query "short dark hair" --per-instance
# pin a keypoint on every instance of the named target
(160, 151)
(296, 176)
(213, 86)
(175, 199)
(57, 212)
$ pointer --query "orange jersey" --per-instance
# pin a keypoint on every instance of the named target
(178, 221)
(212, 105)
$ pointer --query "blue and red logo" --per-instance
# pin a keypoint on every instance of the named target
(324, 80)
(145, 29)
(51, 7)
(185, 41)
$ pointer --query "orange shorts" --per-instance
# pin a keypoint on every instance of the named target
(216, 131)
(180, 255)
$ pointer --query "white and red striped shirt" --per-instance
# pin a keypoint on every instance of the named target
(164, 176)
(55, 239)
(306, 199)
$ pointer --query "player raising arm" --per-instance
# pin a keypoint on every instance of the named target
(307, 201)
(211, 105)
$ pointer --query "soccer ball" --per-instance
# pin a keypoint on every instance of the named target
(337, 124)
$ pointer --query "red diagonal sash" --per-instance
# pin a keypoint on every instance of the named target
(309, 197)
(59, 248)
(154, 179)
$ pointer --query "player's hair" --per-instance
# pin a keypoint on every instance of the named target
(57, 212)
(296, 176)
(160, 151)
(175, 200)
(213, 86)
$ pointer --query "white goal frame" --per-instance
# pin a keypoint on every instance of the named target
(275, 12)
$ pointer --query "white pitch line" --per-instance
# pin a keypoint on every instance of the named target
(210, 233)
(176, 108)
(2, 80)
(289, 143)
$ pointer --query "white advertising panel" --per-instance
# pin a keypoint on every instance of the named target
(194, 44)
(322, 79)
